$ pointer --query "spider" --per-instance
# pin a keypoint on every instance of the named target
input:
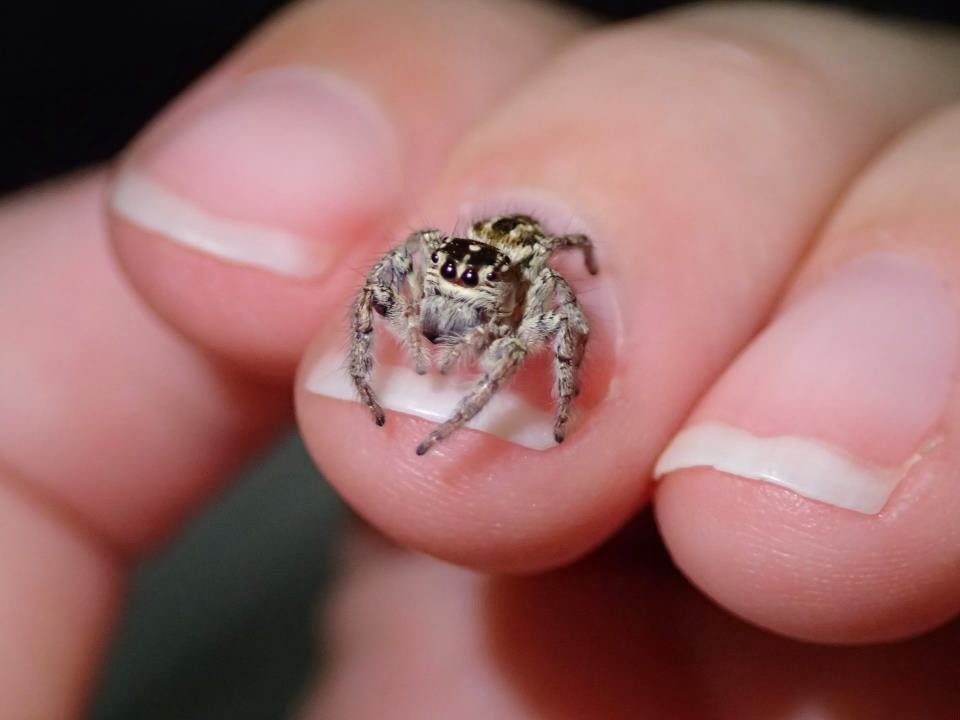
(489, 296)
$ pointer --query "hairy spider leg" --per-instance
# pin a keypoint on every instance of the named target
(568, 326)
(576, 240)
(472, 344)
(565, 322)
(504, 357)
(382, 292)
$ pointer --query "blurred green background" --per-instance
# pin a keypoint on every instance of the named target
(222, 623)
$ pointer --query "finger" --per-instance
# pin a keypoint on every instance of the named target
(116, 428)
(112, 422)
(241, 212)
(111, 428)
(848, 399)
(699, 152)
(58, 597)
(618, 635)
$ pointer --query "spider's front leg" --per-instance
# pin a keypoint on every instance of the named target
(472, 343)
(361, 351)
(382, 293)
(502, 360)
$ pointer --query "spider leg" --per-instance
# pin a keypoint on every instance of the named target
(569, 344)
(406, 320)
(568, 327)
(565, 323)
(382, 292)
(361, 352)
(576, 240)
(503, 358)
(472, 343)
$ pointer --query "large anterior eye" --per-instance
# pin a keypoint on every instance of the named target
(470, 277)
(449, 270)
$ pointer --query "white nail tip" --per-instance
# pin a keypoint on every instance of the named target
(434, 396)
(154, 207)
(807, 467)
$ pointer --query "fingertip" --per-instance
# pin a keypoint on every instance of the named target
(231, 220)
(830, 509)
(473, 499)
(805, 493)
(499, 494)
(241, 315)
(237, 213)
(805, 569)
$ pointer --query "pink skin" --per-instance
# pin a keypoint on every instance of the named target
(699, 236)
(668, 258)
(111, 363)
(861, 577)
(863, 361)
(59, 597)
(617, 635)
(116, 427)
(270, 338)
(318, 157)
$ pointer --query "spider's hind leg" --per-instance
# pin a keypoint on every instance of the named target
(576, 240)
(568, 326)
(568, 347)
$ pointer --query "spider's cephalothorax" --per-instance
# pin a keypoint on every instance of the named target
(489, 295)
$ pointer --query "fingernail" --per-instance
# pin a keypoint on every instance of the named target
(274, 175)
(433, 397)
(841, 394)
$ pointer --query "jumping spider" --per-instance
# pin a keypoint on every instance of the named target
(490, 295)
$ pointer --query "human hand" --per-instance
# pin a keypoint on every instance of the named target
(726, 160)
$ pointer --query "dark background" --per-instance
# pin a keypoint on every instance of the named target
(220, 624)
(77, 79)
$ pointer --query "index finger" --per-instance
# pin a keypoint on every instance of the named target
(701, 151)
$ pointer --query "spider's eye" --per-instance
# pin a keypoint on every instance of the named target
(435, 257)
(470, 277)
(498, 272)
(449, 270)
